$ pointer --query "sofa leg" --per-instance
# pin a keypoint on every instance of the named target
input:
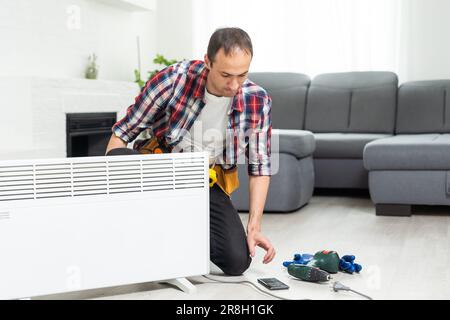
(402, 210)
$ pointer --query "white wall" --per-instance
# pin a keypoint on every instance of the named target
(18, 127)
(175, 29)
(44, 38)
(420, 45)
(53, 38)
(428, 50)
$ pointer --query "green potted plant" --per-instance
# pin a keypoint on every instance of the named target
(92, 68)
(160, 60)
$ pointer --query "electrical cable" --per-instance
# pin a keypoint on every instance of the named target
(253, 285)
(337, 286)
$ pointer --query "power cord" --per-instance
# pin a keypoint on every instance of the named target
(253, 285)
(337, 286)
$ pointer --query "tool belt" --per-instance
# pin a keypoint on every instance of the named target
(227, 180)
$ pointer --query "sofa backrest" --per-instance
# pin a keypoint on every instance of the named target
(359, 102)
(288, 92)
(424, 107)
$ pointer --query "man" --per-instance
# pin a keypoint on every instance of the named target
(212, 96)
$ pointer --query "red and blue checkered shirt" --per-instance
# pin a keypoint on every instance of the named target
(172, 100)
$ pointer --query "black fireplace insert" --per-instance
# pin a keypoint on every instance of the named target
(88, 133)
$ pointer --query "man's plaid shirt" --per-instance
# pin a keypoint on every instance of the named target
(172, 100)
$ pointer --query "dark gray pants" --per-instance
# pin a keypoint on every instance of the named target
(228, 241)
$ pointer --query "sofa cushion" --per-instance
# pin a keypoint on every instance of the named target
(357, 102)
(288, 92)
(423, 107)
(409, 152)
(299, 143)
(343, 145)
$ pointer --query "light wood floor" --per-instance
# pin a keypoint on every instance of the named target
(402, 257)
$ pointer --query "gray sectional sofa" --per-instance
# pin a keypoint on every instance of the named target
(357, 130)
(345, 111)
(413, 167)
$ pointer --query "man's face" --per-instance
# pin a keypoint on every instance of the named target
(228, 72)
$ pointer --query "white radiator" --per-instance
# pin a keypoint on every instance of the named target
(82, 223)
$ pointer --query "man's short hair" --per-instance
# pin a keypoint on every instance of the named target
(229, 39)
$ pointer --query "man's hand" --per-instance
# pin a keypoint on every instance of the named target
(256, 238)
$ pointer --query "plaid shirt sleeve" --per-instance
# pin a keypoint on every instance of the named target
(148, 106)
(259, 149)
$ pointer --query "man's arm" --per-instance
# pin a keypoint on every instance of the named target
(149, 104)
(258, 187)
(259, 171)
(115, 142)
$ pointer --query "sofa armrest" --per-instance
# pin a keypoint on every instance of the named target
(299, 143)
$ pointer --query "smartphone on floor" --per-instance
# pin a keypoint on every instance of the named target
(273, 284)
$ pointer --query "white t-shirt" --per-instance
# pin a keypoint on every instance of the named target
(208, 131)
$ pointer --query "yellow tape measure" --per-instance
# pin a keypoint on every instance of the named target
(212, 177)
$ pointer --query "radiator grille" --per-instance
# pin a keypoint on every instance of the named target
(188, 173)
(100, 176)
(90, 178)
(52, 180)
(157, 175)
(17, 182)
